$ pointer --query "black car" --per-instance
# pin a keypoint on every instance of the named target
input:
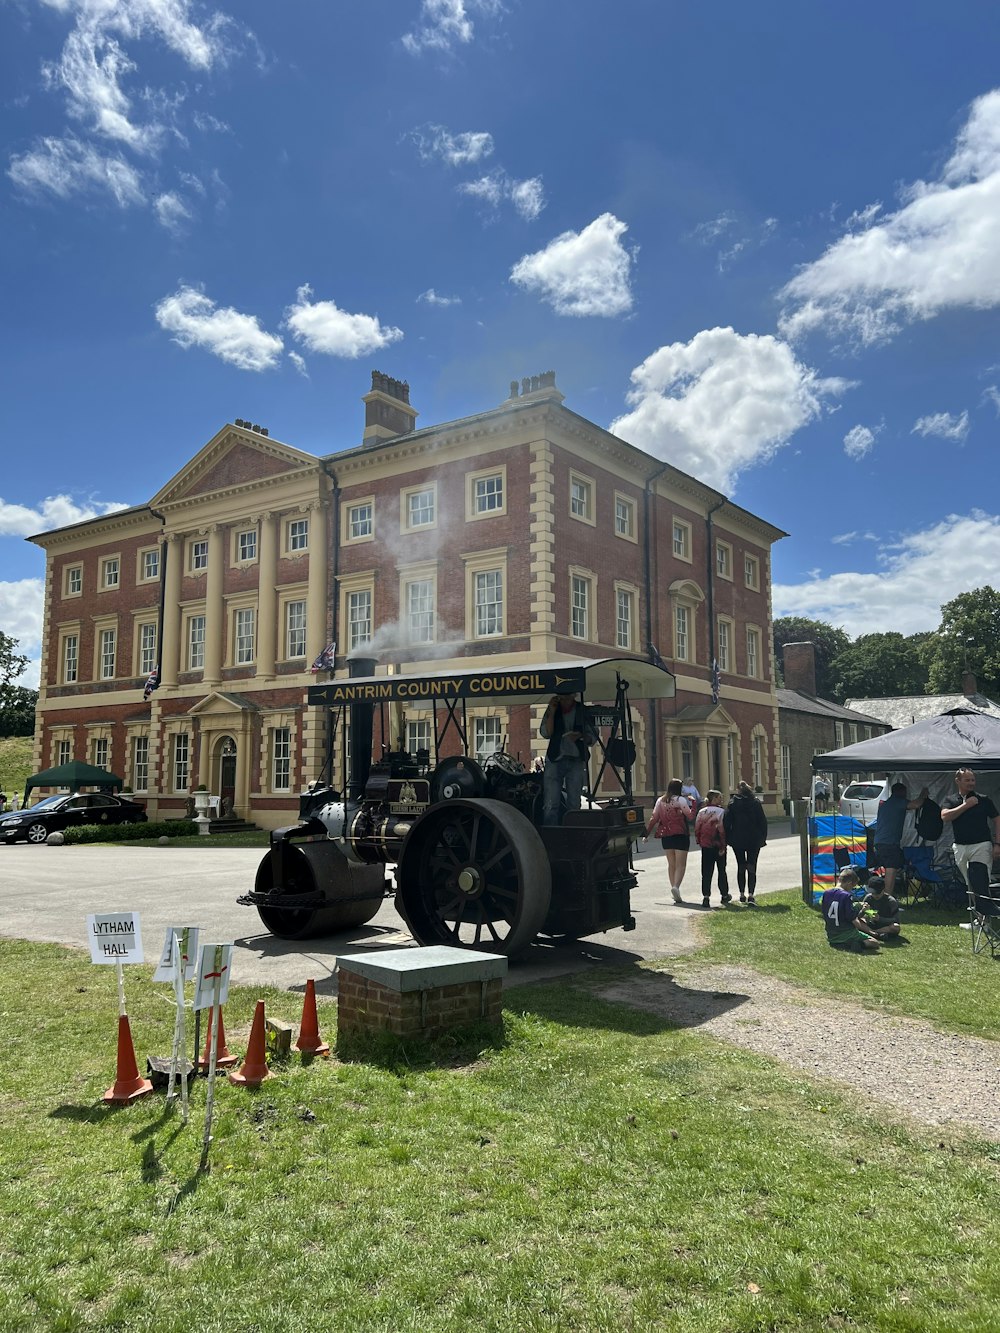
(60, 812)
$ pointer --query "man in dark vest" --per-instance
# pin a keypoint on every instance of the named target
(570, 735)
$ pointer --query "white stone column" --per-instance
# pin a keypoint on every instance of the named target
(316, 596)
(267, 596)
(703, 778)
(215, 626)
(170, 647)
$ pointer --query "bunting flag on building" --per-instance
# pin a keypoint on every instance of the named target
(325, 661)
(716, 681)
(656, 659)
(152, 683)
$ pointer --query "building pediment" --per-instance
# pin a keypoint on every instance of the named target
(235, 459)
(219, 704)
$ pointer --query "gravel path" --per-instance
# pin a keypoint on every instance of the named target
(938, 1078)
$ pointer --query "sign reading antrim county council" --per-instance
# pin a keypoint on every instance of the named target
(463, 685)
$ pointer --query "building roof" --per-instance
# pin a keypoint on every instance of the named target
(906, 709)
(797, 701)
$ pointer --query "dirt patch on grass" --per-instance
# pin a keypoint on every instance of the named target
(937, 1077)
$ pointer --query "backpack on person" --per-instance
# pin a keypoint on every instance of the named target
(928, 824)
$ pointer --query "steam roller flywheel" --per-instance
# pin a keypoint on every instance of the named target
(474, 874)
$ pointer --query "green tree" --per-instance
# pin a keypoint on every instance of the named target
(12, 664)
(877, 666)
(829, 641)
(968, 636)
(17, 711)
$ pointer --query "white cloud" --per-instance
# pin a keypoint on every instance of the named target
(55, 511)
(859, 441)
(992, 393)
(528, 197)
(722, 402)
(846, 539)
(939, 251)
(21, 605)
(920, 572)
(299, 363)
(458, 150)
(430, 297)
(171, 211)
(581, 273)
(707, 232)
(194, 321)
(323, 327)
(944, 426)
(65, 167)
(444, 24)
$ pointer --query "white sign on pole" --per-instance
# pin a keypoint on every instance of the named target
(214, 965)
(115, 937)
(188, 936)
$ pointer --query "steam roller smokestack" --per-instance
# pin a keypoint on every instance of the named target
(362, 729)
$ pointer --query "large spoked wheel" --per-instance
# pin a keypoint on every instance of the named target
(37, 833)
(474, 874)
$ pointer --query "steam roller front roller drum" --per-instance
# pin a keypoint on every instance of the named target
(318, 877)
(474, 874)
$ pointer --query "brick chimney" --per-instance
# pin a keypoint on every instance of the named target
(800, 667)
(387, 409)
(970, 685)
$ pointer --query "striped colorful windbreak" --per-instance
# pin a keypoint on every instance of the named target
(835, 841)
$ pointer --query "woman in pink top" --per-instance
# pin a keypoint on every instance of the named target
(669, 820)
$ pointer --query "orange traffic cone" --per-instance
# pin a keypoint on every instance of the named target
(254, 1069)
(225, 1058)
(128, 1085)
(309, 1042)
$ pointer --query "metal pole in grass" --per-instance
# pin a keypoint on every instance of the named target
(213, 986)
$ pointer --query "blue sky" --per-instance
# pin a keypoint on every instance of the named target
(761, 242)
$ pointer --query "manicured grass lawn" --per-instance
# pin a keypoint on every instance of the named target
(595, 1170)
(935, 975)
(15, 764)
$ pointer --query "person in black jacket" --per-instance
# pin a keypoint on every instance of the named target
(746, 833)
(568, 729)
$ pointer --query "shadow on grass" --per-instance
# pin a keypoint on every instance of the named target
(636, 1001)
(399, 1055)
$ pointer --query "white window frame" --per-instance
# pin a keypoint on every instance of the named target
(418, 629)
(107, 652)
(758, 757)
(682, 631)
(755, 663)
(363, 581)
(145, 647)
(473, 509)
(67, 637)
(630, 594)
(295, 608)
(197, 561)
(143, 558)
(406, 498)
(281, 759)
(140, 763)
(350, 518)
(751, 572)
(680, 539)
(484, 562)
(100, 749)
(246, 546)
(62, 751)
(360, 612)
(111, 573)
(724, 560)
(724, 643)
(419, 735)
(180, 760)
(487, 733)
(630, 531)
(582, 611)
(196, 618)
(583, 506)
(786, 770)
(244, 644)
(297, 536)
(69, 580)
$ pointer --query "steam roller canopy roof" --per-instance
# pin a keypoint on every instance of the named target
(597, 679)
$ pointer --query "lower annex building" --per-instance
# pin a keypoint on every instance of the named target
(524, 533)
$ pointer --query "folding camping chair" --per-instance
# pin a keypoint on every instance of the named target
(984, 912)
(940, 884)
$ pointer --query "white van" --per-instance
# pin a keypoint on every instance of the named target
(861, 799)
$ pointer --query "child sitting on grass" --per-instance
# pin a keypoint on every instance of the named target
(845, 926)
(880, 910)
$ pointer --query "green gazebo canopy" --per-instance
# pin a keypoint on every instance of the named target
(73, 775)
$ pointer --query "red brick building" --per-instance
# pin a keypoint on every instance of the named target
(521, 534)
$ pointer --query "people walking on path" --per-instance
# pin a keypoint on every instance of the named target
(710, 836)
(669, 820)
(745, 825)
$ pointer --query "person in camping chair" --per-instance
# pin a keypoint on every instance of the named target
(971, 817)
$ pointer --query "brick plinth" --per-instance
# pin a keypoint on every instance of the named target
(418, 992)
